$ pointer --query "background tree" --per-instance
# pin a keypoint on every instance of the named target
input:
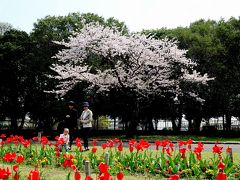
(4, 27)
(16, 75)
(138, 66)
(215, 47)
(44, 33)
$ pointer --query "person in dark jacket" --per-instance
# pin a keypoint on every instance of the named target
(71, 121)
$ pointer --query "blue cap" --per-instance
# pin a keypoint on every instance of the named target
(85, 104)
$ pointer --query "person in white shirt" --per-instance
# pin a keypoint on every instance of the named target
(65, 137)
(85, 123)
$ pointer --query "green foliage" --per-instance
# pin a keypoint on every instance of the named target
(215, 47)
(103, 122)
(25, 61)
(4, 27)
(16, 74)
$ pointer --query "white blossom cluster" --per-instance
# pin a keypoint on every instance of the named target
(135, 62)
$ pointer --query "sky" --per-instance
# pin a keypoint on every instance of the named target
(137, 14)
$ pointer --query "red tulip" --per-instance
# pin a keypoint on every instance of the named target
(16, 176)
(58, 154)
(157, 144)
(183, 151)
(35, 138)
(169, 151)
(221, 176)
(144, 143)
(120, 148)
(198, 150)
(74, 167)
(5, 173)
(56, 138)
(67, 163)
(77, 175)
(44, 140)
(104, 146)
(19, 159)
(171, 145)
(110, 143)
(221, 165)
(120, 176)
(130, 148)
(94, 142)
(217, 149)
(15, 168)
(88, 178)
(131, 142)
(9, 157)
(9, 140)
(139, 147)
(34, 175)
(68, 160)
(2, 143)
(181, 143)
(60, 141)
(3, 136)
(107, 176)
(189, 141)
(103, 167)
(94, 149)
(229, 150)
(116, 140)
(165, 142)
(173, 177)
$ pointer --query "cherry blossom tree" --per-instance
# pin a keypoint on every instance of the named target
(136, 64)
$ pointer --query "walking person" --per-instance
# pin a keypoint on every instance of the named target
(71, 121)
(85, 123)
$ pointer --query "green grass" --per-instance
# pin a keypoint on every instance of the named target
(60, 173)
(176, 138)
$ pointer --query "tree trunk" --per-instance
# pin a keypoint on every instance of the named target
(22, 123)
(223, 123)
(114, 124)
(179, 122)
(190, 128)
(228, 121)
(13, 123)
(174, 125)
(197, 124)
(132, 130)
(150, 126)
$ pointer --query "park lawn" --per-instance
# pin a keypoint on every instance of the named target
(50, 173)
(175, 138)
(205, 155)
(60, 173)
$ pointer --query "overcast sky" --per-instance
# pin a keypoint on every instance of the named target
(137, 14)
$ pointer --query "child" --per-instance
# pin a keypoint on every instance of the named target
(65, 137)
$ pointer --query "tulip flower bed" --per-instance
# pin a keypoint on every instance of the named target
(33, 159)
